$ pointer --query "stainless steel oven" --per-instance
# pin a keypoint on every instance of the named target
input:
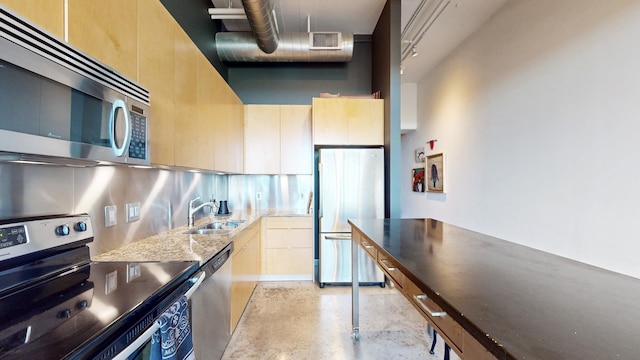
(57, 304)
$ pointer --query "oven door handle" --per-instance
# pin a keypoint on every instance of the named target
(142, 339)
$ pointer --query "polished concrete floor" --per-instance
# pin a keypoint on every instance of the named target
(298, 320)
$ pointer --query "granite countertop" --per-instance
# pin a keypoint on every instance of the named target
(520, 303)
(175, 245)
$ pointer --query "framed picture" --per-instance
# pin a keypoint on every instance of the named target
(435, 173)
(417, 175)
(420, 155)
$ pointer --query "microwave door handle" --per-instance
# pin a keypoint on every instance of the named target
(119, 151)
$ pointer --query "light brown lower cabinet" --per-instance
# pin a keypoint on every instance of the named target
(288, 248)
(461, 342)
(245, 270)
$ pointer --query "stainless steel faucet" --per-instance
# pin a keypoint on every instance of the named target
(192, 210)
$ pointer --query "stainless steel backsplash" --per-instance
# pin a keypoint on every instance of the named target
(33, 190)
(277, 192)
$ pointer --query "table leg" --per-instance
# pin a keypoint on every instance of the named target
(355, 285)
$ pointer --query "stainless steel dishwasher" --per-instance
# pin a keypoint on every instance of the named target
(211, 307)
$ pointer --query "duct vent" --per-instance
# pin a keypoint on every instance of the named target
(325, 41)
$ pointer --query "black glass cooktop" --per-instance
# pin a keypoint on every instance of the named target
(76, 313)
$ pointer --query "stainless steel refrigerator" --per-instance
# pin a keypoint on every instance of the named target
(351, 186)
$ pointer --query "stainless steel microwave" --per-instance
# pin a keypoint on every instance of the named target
(57, 102)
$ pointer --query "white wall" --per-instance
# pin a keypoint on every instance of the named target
(538, 115)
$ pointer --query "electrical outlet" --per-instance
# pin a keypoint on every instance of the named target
(258, 195)
(110, 216)
(133, 212)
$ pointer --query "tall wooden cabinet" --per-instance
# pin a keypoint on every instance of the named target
(278, 139)
(344, 121)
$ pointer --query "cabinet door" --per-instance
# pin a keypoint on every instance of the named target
(186, 99)
(262, 139)
(245, 269)
(210, 113)
(330, 125)
(108, 31)
(155, 58)
(296, 148)
(47, 14)
(234, 134)
(229, 136)
(366, 121)
(294, 261)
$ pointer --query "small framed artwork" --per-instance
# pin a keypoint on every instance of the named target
(417, 175)
(435, 173)
(420, 155)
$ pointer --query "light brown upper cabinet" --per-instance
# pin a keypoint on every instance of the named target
(47, 14)
(262, 139)
(220, 122)
(230, 144)
(108, 31)
(343, 121)
(186, 100)
(296, 147)
(278, 139)
(208, 118)
(156, 57)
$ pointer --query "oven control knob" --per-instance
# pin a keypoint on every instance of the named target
(64, 314)
(82, 305)
(62, 230)
(80, 226)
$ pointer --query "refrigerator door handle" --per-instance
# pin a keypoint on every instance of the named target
(320, 201)
(339, 237)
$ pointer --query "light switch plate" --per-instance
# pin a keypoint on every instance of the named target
(133, 211)
(110, 216)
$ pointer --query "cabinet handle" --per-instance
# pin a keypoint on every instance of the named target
(420, 299)
(389, 268)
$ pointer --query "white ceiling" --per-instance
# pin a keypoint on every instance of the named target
(458, 20)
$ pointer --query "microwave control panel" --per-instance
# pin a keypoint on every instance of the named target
(138, 146)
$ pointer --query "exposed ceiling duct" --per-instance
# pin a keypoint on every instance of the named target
(262, 21)
(292, 47)
(267, 45)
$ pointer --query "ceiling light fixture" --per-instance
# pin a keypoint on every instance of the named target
(227, 13)
(430, 11)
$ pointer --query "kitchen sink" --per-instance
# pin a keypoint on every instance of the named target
(216, 227)
(209, 231)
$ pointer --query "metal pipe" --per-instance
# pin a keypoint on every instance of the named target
(260, 19)
(293, 47)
